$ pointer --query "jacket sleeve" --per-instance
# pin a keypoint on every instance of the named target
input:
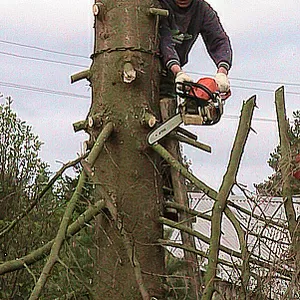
(215, 38)
(167, 44)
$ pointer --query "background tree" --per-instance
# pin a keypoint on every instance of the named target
(273, 185)
(23, 175)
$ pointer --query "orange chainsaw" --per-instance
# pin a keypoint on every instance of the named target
(198, 104)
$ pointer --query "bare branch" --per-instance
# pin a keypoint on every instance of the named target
(40, 253)
(41, 194)
(129, 246)
(61, 234)
(229, 180)
(285, 160)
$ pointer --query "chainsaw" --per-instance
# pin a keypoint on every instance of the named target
(198, 104)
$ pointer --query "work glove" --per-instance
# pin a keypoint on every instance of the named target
(181, 77)
(222, 82)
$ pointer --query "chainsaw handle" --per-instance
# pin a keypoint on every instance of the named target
(186, 89)
(225, 95)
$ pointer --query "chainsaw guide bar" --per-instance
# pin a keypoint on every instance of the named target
(164, 129)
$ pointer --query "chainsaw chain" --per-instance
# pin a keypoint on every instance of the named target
(137, 49)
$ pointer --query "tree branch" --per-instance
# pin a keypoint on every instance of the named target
(192, 142)
(188, 210)
(61, 234)
(183, 170)
(85, 74)
(229, 180)
(135, 264)
(195, 251)
(40, 253)
(205, 239)
(40, 195)
(285, 161)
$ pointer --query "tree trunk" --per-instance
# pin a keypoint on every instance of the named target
(178, 185)
(124, 79)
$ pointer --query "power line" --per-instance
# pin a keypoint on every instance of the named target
(43, 49)
(41, 90)
(61, 93)
(262, 90)
(83, 66)
(252, 80)
(191, 72)
(42, 59)
(66, 94)
(267, 81)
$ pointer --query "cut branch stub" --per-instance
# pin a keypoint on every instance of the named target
(80, 125)
(159, 12)
(99, 10)
(129, 73)
(81, 75)
(95, 121)
(148, 119)
(88, 145)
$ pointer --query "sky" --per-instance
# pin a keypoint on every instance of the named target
(42, 43)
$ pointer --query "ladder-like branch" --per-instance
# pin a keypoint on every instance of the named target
(167, 108)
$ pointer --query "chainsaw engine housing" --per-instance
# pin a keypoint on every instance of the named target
(194, 110)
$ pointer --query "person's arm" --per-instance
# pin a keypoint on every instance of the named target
(169, 54)
(216, 40)
(218, 46)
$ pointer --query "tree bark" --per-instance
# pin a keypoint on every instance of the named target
(124, 80)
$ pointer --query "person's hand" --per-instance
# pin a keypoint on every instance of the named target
(181, 77)
(222, 82)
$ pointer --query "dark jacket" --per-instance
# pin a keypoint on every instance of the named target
(179, 31)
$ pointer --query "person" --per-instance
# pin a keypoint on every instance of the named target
(187, 20)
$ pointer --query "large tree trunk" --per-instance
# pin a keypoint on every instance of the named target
(128, 255)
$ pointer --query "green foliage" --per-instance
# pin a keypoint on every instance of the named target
(273, 185)
(23, 175)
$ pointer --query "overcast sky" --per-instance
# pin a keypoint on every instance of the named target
(264, 36)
